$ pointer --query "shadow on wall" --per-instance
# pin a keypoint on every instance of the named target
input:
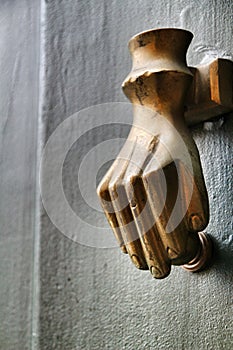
(223, 256)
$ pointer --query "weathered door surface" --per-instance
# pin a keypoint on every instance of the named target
(58, 58)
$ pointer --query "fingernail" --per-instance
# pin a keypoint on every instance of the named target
(155, 272)
(123, 248)
(137, 262)
(196, 223)
(172, 254)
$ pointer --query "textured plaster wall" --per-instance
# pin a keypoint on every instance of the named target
(93, 298)
(19, 63)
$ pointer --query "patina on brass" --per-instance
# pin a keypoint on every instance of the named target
(154, 195)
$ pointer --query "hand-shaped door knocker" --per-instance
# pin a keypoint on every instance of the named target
(154, 195)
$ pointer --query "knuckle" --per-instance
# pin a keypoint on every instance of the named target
(102, 189)
(113, 188)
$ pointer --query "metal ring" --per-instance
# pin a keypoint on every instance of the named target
(204, 255)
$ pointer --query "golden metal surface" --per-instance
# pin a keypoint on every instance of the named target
(154, 195)
(210, 94)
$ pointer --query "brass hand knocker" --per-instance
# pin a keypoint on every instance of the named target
(154, 194)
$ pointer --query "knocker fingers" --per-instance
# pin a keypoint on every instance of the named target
(153, 248)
